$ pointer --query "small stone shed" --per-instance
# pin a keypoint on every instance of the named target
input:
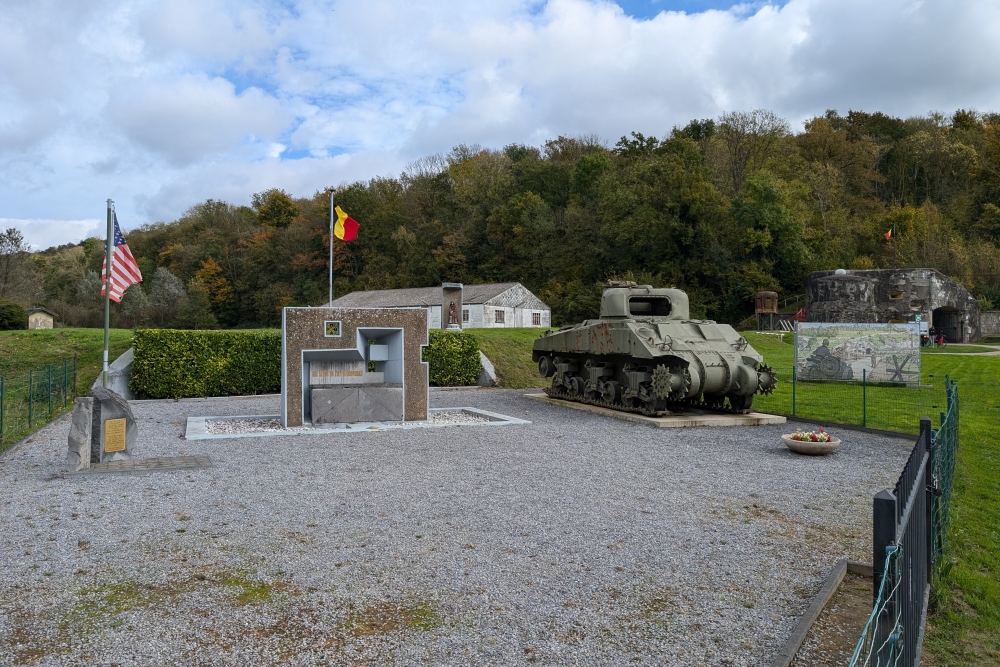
(40, 318)
(494, 305)
(894, 295)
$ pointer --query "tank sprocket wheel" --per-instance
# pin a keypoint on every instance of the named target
(769, 389)
(661, 381)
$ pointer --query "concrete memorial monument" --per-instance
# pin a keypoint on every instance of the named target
(103, 429)
(348, 365)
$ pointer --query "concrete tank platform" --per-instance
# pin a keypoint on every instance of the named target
(676, 420)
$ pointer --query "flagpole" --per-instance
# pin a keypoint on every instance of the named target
(107, 291)
(330, 302)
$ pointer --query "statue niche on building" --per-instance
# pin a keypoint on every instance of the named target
(451, 294)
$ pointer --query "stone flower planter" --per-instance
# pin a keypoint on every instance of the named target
(809, 447)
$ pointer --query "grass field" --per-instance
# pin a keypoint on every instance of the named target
(21, 351)
(510, 352)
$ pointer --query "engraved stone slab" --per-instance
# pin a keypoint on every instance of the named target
(78, 454)
(112, 419)
(342, 372)
(347, 405)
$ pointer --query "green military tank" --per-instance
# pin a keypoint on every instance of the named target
(645, 354)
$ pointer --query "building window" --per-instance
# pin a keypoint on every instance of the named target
(536, 319)
(499, 317)
(465, 315)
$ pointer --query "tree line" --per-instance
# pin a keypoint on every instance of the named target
(721, 208)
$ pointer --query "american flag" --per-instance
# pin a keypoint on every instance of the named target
(124, 270)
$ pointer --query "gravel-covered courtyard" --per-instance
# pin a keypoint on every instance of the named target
(575, 540)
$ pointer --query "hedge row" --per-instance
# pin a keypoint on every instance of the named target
(453, 358)
(171, 363)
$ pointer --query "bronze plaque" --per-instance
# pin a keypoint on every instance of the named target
(331, 328)
(114, 435)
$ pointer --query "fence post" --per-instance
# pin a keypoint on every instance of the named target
(65, 387)
(31, 398)
(74, 375)
(883, 537)
(2, 388)
(793, 389)
(48, 387)
(926, 439)
(864, 397)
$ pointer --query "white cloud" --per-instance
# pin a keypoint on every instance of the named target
(162, 104)
(41, 234)
(195, 116)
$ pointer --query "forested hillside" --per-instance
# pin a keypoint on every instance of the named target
(720, 208)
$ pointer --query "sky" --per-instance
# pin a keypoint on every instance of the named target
(160, 105)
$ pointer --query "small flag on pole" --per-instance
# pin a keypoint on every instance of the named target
(346, 228)
(124, 269)
(889, 234)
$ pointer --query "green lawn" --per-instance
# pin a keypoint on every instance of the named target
(23, 351)
(510, 352)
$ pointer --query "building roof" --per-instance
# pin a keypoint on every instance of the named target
(32, 311)
(432, 296)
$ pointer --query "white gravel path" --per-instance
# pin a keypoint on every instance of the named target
(575, 540)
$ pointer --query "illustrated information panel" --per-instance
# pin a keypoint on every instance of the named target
(829, 352)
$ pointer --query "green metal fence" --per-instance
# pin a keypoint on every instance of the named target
(34, 398)
(910, 529)
(944, 446)
(885, 406)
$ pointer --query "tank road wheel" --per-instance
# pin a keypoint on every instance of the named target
(611, 392)
(546, 367)
(740, 403)
(577, 385)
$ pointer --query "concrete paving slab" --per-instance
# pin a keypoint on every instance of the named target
(678, 420)
(155, 464)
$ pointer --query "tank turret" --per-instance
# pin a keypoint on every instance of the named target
(645, 353)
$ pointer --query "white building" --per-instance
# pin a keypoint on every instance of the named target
(489, 306)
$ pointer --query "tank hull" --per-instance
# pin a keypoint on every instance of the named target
(652, 363)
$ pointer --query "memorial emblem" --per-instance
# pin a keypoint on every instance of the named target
(331, 328)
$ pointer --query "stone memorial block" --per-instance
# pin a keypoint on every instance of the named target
(345, 365)
(113, 427)
(78, 456)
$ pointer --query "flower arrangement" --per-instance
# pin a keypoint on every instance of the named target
(818, 435)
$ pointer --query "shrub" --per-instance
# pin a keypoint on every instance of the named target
(453, 358)
(183, 364)
(12, 316)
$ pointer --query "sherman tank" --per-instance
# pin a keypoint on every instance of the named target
(645, 354)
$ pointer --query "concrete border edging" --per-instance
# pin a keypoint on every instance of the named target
(794, 642)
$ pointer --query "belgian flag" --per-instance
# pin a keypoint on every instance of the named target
(346, 228)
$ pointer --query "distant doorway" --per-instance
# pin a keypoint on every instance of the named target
(946, 323)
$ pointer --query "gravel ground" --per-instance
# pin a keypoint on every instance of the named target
(576, 540)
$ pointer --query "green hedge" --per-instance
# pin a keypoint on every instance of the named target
(170, 363)
(453, 358)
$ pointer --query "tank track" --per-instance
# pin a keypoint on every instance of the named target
(564, 395)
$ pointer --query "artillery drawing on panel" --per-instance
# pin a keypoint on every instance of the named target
(646, 354)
